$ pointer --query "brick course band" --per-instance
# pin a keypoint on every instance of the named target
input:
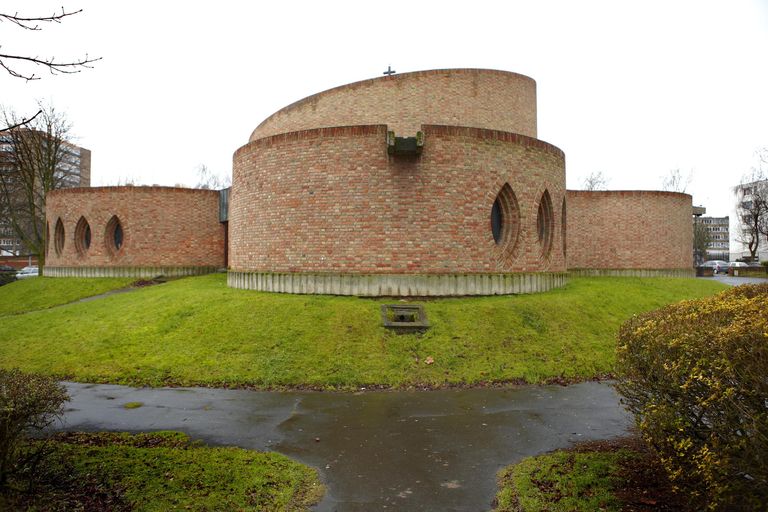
(140, 272)
(482, 98)
(397, 285)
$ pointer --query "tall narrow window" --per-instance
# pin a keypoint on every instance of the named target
(545, 224)
(562, 225)
(505, 218)
(58, 237)
(113, 236)
(82, 236)
(497, 220)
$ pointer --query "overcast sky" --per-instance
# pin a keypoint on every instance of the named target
(631, 89)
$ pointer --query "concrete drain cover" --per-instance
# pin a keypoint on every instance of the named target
(403, 318)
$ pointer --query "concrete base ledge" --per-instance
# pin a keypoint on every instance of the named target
(141, 272)
(628, 272)
(397, 285)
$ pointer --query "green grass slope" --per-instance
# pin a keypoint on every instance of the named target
(197, 331)
(45, 292)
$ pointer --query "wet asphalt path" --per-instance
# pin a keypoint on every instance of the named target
(408, 450)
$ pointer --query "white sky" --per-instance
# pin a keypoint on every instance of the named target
(632, 89)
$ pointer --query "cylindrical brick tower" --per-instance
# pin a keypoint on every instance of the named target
(421, 184)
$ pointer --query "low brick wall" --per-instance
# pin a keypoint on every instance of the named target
(160, 227)
(377, 285)
(629, 229)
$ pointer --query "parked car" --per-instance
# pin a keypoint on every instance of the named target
(27, 272)
(7, 268)
(737, 264)
(718, 266)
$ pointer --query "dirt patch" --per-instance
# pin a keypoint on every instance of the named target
(644, 485)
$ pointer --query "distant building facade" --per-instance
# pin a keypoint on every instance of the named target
(73, 168)
(746, 194)
(718, 247)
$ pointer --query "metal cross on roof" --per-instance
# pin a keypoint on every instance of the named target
(389, 71)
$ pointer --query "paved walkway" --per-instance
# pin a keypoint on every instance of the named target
(405, 451)
(736, 281)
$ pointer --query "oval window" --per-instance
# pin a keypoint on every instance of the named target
(505, 218)
(82, 236)
(113, 236)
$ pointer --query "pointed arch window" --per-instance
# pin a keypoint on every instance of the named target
(82, 236)
(545, 224)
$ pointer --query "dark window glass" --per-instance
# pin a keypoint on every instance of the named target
(87, 237)
(496, 221)
(118, 236)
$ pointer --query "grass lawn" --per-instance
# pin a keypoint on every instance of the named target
(197, 331)
(159, 472)
(609, 476)
(45, 292)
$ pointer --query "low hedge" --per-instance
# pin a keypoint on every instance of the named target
(695, 374)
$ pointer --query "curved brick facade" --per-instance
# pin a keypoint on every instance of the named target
(325, 200)
(481, 98)
(629, 230)
(334, 201)
(171, 231)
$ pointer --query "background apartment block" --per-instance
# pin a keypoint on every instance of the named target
(718, 247)
(74, 170)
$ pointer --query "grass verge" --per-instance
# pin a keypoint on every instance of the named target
(197, 331)
(45, 292)
(158, 472)
(608, 476)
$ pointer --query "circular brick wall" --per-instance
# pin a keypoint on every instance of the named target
(133, 231)
(481, 98)
(332, 201)
(630, 230)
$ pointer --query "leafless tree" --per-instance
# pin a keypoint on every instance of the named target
(675, 181)
(595, 181)
(19, 65)
(701, 239)
(34, 161)
(208, 179)
(752, 209)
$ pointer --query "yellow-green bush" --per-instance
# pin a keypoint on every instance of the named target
(695, 374)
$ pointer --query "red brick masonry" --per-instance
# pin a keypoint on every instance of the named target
(629, 230)
(482, 98)
(162, 226)
(333, 200)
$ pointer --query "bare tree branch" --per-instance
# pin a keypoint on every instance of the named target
(595, 181)
(675, 182)
(53, 66)
(11, 61)
(27, 23)
(21, 123)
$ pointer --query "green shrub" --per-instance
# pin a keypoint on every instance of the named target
(27, 403)
(695, 374)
